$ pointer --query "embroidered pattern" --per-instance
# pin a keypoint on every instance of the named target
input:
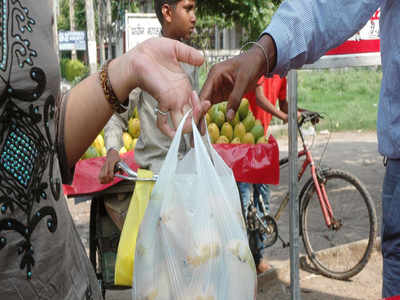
(27, 148)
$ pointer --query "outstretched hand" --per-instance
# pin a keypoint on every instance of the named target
(230, 79)
(160, 74)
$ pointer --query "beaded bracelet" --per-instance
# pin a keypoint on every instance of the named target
(262, 49)
(108, 90)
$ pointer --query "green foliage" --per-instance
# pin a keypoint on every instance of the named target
(118, 13)
(252, 15)
(74, 68)
(63, 64)
(80, 15)
(63, 19)
(119, 8)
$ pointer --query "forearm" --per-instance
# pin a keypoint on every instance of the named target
(284, 106)
(303, 30)
(268, 107)
(88, 111)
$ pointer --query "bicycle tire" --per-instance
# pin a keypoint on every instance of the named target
(357, 221)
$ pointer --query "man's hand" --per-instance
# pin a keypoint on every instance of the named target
(230, 79)
(285, 118)
(155, 63)
(107, 171)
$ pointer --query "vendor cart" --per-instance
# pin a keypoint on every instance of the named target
(249, 163)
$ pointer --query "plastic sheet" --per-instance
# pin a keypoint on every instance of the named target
(249, 163)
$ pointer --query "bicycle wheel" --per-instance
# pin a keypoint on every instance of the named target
(355, 225)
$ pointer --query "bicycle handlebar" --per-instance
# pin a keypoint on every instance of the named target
(309, 116)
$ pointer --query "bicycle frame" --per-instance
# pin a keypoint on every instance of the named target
(318, 184)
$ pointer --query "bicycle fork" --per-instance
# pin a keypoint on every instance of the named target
(326, 208)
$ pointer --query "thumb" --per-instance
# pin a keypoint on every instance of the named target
(187, 54)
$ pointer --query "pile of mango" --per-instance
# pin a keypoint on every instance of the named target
(243, 129)
(97, 148)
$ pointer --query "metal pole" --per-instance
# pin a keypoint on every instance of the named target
(294, 205)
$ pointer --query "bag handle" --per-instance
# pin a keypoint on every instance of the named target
(171, 160)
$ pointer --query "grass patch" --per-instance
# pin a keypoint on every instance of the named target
(349, 96)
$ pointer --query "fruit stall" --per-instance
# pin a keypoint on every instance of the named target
(243, 143)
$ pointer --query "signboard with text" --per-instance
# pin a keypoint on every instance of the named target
(72, 40)
(140, 27)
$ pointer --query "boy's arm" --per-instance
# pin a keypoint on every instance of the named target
(283, 103)
(113, 141)
(266, 105)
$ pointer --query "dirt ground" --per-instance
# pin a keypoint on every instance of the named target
(355, 152)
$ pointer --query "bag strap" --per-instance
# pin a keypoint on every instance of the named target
(171, 160)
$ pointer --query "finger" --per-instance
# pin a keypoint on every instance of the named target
(203, 123)
(162, 124)
(104, 174)
(101, 175)
(110, 174)
(206, 90)
(199, 111)
(239, 89)
(196, 107)
(187, 54)
(203, 127)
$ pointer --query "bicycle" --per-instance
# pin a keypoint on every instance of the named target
(327, 201)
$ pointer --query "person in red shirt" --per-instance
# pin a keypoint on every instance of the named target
(262, 102)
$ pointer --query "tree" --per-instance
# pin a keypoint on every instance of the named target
(79, 18)
(252, 15)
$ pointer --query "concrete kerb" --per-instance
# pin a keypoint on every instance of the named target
(281, 269)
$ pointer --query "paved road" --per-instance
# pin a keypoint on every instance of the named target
(352, 151)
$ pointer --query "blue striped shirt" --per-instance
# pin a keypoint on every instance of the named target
(304, 30)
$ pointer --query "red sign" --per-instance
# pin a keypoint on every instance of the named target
(364, 41)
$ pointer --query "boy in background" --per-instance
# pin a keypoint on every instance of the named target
(177, 18)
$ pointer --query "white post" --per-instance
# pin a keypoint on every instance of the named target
(72, 24)
(91, 36)
(55, 28)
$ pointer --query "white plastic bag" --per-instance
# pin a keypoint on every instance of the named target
(192, 243)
